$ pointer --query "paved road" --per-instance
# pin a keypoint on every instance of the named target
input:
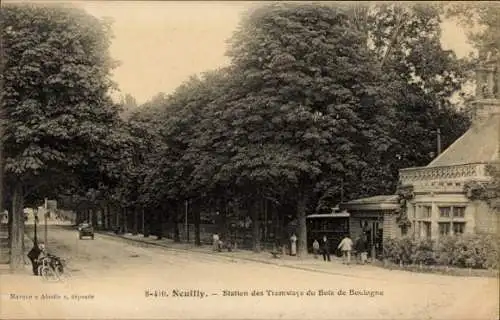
(110, 278)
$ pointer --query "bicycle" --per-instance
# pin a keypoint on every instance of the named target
(51, 268)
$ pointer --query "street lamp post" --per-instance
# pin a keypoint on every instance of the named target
(438, 133)
(143, 231)
(35, 240)
(186, 220)
(45, 219)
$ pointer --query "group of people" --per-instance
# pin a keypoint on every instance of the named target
(346, 246)
(219, 245)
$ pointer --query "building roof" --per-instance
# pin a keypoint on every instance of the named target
(343, 214)
(381, 202)
(478, 144)
(375, 199)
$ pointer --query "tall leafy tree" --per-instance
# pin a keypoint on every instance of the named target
(129, 105)
(480, 20)
(422, 79)
(55, 97)
(312, 94)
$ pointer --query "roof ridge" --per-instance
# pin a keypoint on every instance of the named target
(467, 150)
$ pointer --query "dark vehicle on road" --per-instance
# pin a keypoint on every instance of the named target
(85, 230)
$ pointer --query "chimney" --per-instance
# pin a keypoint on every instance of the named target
(487, 101)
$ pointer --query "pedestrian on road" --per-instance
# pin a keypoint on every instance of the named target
(42, 254)
(346, 247)
(315, 248)
(293, 245)
(216, 242)
(33, 256)
(325, 248)
(362, 249)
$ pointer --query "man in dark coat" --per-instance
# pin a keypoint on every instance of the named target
(325, 249)
(33, 256)
(362, 249)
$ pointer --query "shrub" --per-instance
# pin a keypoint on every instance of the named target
(407, 249)
(390, 250)
(465, 251)
(423, 252)
(445, 250)
(471, 251)
(399, 250)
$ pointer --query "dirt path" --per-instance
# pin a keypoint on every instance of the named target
(110, 279)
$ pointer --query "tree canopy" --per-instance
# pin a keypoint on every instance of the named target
(320, 103)
(58, 112)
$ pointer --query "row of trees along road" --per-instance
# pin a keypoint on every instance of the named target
(315, 97)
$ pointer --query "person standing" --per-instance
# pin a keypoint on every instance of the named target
(346, 247)
(325, 249)
(362, 249)
(33, 256)
(216, 243)
(315, 248)
(293, 245)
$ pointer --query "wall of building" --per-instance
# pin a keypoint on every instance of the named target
(355, 229)
(391, 227)
(486, 218)
(386, 219)
(478, 217)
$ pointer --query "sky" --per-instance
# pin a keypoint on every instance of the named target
(160, 44)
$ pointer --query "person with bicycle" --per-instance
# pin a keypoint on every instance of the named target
(36, 255)
(33, 256)
(43, 253)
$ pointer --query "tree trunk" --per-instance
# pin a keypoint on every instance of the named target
(147, 221)
(301, 217)
(183, 210)
(135, 229)
(393, 41)
(197, 218)
(17, 229)
(177, 234)
(109, 210)
(255, 225)
(107, 225)
(144, 224)
(2, 129)
(159, 233)
(153, 223)
(266, 229)
(222, 222)
(10, 216)
(93, 212)
(117, 211)
(102, 210)
(124, 220)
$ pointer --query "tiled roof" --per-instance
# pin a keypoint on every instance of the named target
(375, 203)
(479, 144)
(375, 199)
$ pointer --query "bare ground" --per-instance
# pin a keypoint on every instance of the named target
(109, 278)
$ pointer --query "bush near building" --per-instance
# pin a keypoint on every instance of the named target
(463, 251)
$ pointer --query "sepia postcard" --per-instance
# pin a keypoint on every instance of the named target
(249, 160)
